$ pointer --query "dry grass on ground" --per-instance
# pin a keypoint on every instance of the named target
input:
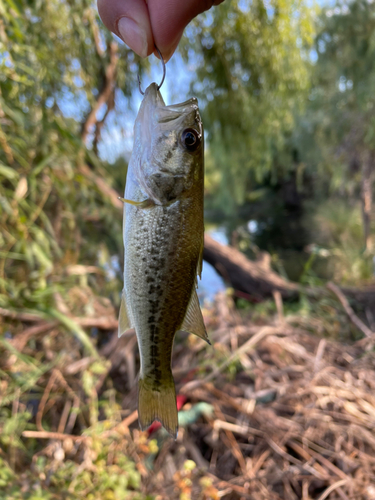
(286, 415)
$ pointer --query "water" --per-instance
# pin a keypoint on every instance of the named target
(211, 283)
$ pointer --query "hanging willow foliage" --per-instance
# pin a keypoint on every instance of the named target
(60, 78)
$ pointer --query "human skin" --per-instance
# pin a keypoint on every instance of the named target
(144, 24)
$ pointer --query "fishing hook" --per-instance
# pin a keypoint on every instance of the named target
(164, 72)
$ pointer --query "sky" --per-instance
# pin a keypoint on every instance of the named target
(118, 140)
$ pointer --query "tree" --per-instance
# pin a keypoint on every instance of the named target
(61, 76)
(343, 96)
(252, 76)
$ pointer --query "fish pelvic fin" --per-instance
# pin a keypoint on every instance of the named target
(193, 322)
(158, 405)
(200, 260)
(124, 319)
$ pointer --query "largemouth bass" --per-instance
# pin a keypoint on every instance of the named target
(163, 239)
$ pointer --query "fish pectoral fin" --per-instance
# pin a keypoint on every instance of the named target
(193, 322)
(158, 404)
(124, 321)
(140, 204)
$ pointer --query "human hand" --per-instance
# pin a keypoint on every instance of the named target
(142, 24)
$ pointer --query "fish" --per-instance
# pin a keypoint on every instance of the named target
(163, 240)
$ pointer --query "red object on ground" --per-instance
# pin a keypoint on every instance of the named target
(180, 400)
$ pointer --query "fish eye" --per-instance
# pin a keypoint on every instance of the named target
(190, 139)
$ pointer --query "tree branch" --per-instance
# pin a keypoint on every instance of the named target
(106, 92)
(96, 34)
(349, 311)
(99, 125)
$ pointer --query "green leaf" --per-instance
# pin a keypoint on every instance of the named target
(8, 172)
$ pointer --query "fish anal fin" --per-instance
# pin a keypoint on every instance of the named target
(193, 322)
(124, 320)
(158, 404)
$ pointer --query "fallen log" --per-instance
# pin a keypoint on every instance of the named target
(255, 279)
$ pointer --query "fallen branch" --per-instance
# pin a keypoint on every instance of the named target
(52, 435)
(333, 487)
(244, 275)
(102, 322)
(349, 311)
(123, 425)
(20, 340)
(7, 313)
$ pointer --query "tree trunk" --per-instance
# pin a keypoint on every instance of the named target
(254, 279)
(107, 91)
(367, 181)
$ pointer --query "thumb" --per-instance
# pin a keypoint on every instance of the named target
(129, 20)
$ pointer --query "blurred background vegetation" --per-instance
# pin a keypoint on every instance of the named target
(286, 93)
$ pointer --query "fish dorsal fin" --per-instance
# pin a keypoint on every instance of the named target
(124, 320)
(193, 322)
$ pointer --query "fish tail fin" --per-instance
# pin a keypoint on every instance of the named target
(158, 405)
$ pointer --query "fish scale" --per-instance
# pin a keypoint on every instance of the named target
(163, 237)
(159, 282)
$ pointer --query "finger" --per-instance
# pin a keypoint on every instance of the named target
(129, 19)
(169, 18)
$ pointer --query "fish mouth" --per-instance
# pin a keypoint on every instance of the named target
(153, 109)
(152, 96)
(151, 101)
(155, 119)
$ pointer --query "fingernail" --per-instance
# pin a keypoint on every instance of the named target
(133, 35)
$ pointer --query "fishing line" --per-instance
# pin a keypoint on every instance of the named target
(164, 73)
